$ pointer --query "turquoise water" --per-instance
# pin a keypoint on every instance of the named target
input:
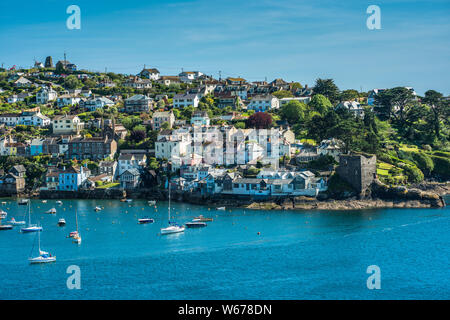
(297, 255)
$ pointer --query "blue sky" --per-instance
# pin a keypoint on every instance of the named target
(294, 40)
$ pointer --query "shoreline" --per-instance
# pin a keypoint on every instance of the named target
(423, 195)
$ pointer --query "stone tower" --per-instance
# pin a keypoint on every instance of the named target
(359, 171)
(48, 62)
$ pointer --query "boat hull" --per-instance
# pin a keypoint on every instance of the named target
(6, 227)
(171, 230)
(31, 229)
(42, 260)
(145, 221)
(195, 224)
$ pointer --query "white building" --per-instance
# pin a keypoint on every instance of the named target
(67, 124)
(185, 100)
(95, 103)
(130, 161)
(67, 100)
(45, 95)
(261, 103)
(189, 76)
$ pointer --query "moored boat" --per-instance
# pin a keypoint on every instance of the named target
(30, 227)
(97, 209)
(61, 222)
(22, 202)
(221, 208)
(59, 202)
(145, 220)
(3, 214)
(173, 227)
(152, 202)
(51, 211)
(14, 222)
(195, 224)
(44, 257)
(201, 218)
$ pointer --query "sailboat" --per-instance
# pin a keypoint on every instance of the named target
(76, 236)
(173, 227)
(30, 227)
(44, 257)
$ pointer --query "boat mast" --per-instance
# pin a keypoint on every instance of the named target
(169, 201)
(29, 214)
(76, 219)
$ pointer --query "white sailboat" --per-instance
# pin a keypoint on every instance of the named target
(30, 227)
(44, 257)
(173, 227)
(76, 237)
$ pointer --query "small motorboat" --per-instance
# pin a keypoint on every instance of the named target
(195, 224)
(201, 218)
(23, 202)
(31, 228)
(97, 209)
(145, 220)
(44, 201)
(5, 226)
(16, 223)
(61, 222)
(3, 214)
(221, 208)
(129, 200)
(3, 203)
(58, 202)
(152, 202)
(51, 211)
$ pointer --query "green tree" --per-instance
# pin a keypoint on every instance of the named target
(71, 82)
(293, 112)
(320, 103)
(328, 88)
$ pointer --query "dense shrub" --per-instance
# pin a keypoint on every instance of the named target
(424, 162)
(413, 173)
(441, 167)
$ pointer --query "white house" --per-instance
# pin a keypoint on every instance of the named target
(67, 124)
(67, 100)
(189, 76)
(46, 94)
(95, 103)
(261, 103)
(185, 100)
(129, 161)
(152, 74)
(353, 106)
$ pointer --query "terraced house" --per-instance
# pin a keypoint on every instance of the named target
(96, 148)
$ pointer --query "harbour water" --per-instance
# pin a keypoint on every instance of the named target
(296, 255)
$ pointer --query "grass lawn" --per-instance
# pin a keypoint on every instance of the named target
(109, 185)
